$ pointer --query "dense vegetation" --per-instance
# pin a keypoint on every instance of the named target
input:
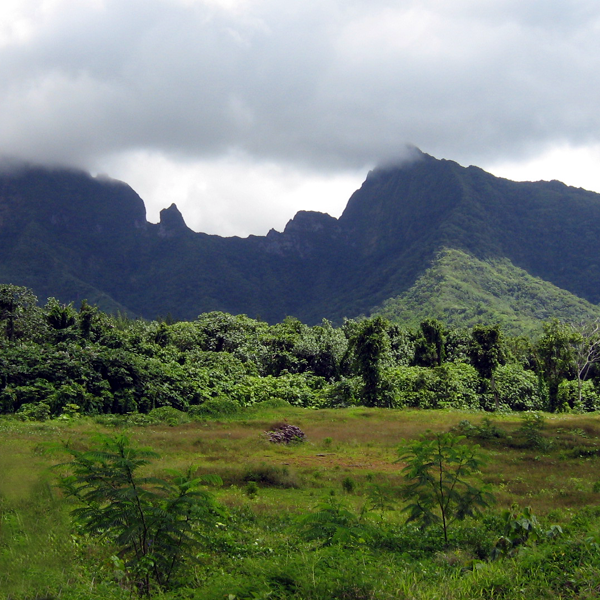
(463, 291)
(134, 458)
(56, 360)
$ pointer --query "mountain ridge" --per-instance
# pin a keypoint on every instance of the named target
(72, 236)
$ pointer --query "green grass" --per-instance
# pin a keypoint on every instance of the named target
(257, 553)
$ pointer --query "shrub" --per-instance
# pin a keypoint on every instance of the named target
(517, 388)
(169, 415)
(531, 429)
(251, 489)
(270, 476)
(451, 384)
(272, 403)
(215, 408)
(71, 411)
(333, 523)
(38, 411)
(381, 497)
(342, 393)
(568, 396)
(487, 430)
(136, 419)
(348, 485)
(519, 528)
(456, 385)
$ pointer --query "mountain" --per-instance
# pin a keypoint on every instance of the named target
(72, 236)
(461, 290)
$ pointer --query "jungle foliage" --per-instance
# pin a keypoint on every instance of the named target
(61, 361)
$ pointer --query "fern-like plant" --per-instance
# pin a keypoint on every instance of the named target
(153, 523)
(440, 486)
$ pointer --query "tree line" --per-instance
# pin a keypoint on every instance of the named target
(58, 360)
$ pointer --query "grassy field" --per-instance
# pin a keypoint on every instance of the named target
(552, 467)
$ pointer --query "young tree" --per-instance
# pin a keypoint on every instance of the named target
(430, 344)
(61, 319)
(555, 356)
(438, 474)
(486, 354)
(332, 523)
(369, 345)
(153, 522)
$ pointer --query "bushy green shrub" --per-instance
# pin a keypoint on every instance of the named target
(456, 385)
(342, 393)
(413, 386)
(13, 397)
(532, 425)
(487, 430)
(517, 388)
(215, 408)
(332, 522)
(568, 396)
(251, 489)
(348, 485)
(449, 385)
(271, 476)
(169, 415)
(272, 403)
(298, 389)
(38, 411)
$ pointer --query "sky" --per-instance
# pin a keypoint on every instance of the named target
(243, 112)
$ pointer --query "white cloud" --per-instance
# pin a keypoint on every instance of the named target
(578, 167)
(232, 195)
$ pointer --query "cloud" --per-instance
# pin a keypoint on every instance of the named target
(321, 87)
(329, 83)
(233, 195)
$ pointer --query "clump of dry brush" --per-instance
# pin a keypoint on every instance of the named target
(285, 434)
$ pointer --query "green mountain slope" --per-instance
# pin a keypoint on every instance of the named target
(402, 217)
(461, 290)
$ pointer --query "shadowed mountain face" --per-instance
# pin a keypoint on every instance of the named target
(68, 235)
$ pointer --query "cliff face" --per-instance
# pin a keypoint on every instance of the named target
(72, 236)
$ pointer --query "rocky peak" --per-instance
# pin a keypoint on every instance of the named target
(309, 221)
(171, 222)
(302, 235)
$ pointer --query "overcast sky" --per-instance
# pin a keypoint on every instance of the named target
(244, 111)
